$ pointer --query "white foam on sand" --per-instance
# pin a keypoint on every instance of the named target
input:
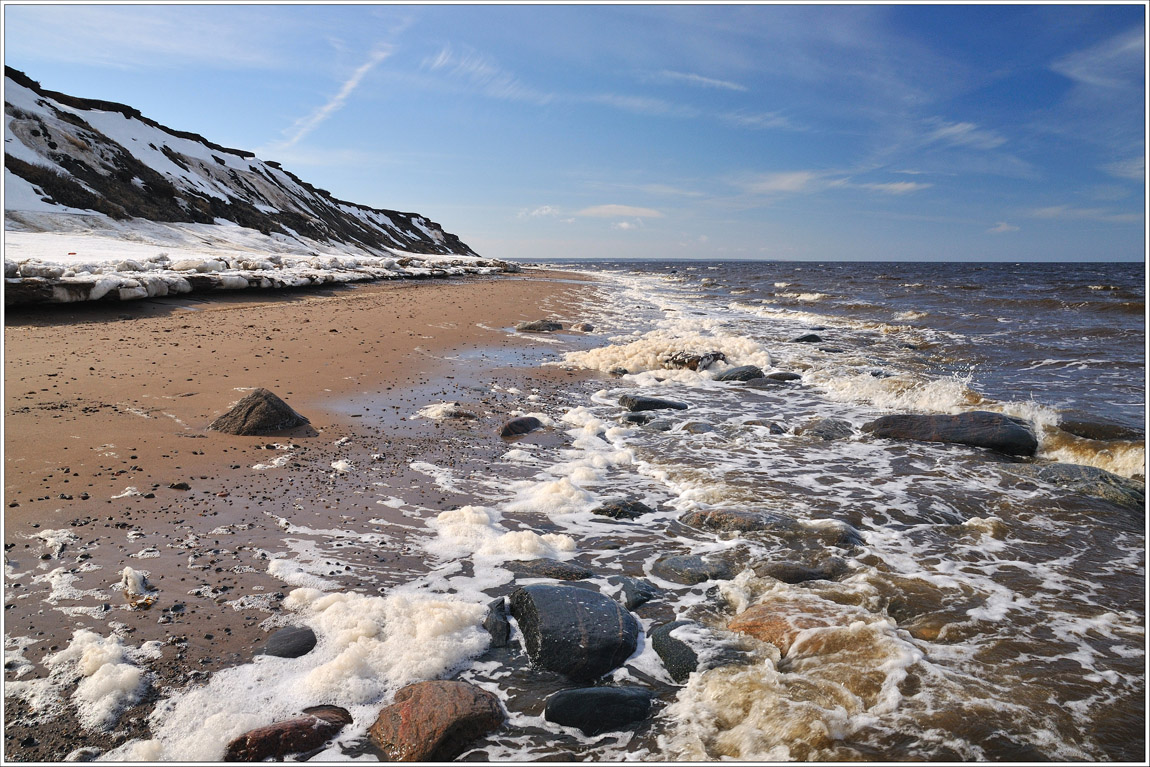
(368, 647)
(109, 679)
(476, 530)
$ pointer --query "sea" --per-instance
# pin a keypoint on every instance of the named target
(987, 614)
(941, 602)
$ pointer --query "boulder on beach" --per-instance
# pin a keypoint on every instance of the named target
(576, 632)
(260, 412)
(694, 361)
(521, 425)
(741, 373)
(595, 710)
(622, 509)
(636, 403)
(294, 736)
(539, 326)
(993, 431)
(435, 721)
(549, 568)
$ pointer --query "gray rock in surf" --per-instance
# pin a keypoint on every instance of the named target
(741, 373)
(636, 403)
(690, 569)
(622, 509)
(827, 429)
(993, 431)
(1087, 480)
(260, 412)
(576, 632)
(595, 710)
(549, 568)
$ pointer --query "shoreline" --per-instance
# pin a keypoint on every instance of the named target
(112, 402)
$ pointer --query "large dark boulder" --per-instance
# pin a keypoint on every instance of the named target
(598, 709)
(576, 632)
(294, 736)
(993, 431)
(741, 373)
(635, 403)
(809, 338)
(435, 721)
(260, 412)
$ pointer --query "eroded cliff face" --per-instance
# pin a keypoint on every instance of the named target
(74, 156)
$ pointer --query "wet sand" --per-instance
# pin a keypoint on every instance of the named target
(106, 409)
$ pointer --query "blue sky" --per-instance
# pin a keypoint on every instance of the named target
(827, 132)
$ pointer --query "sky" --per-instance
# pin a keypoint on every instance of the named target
(764, 131)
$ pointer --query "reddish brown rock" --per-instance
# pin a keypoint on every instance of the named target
(435, 721)
(294, 736)
(780, 621)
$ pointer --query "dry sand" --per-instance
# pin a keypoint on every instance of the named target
(106, 408)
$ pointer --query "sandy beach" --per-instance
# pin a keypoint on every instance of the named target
(109, 465)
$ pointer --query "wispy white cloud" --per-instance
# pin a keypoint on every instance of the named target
(1118, 62)
(1133, 169)
(790, 182)
(705, 82)
(812, 181)
(758, 120)
(1071, 213)
(485, 76)
(306, 125)
(542, 211)
(896, 187)
(962, 134)
(615, 211)
(153, 36)
(1002, 228)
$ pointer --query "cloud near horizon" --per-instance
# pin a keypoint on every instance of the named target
(615, 211)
